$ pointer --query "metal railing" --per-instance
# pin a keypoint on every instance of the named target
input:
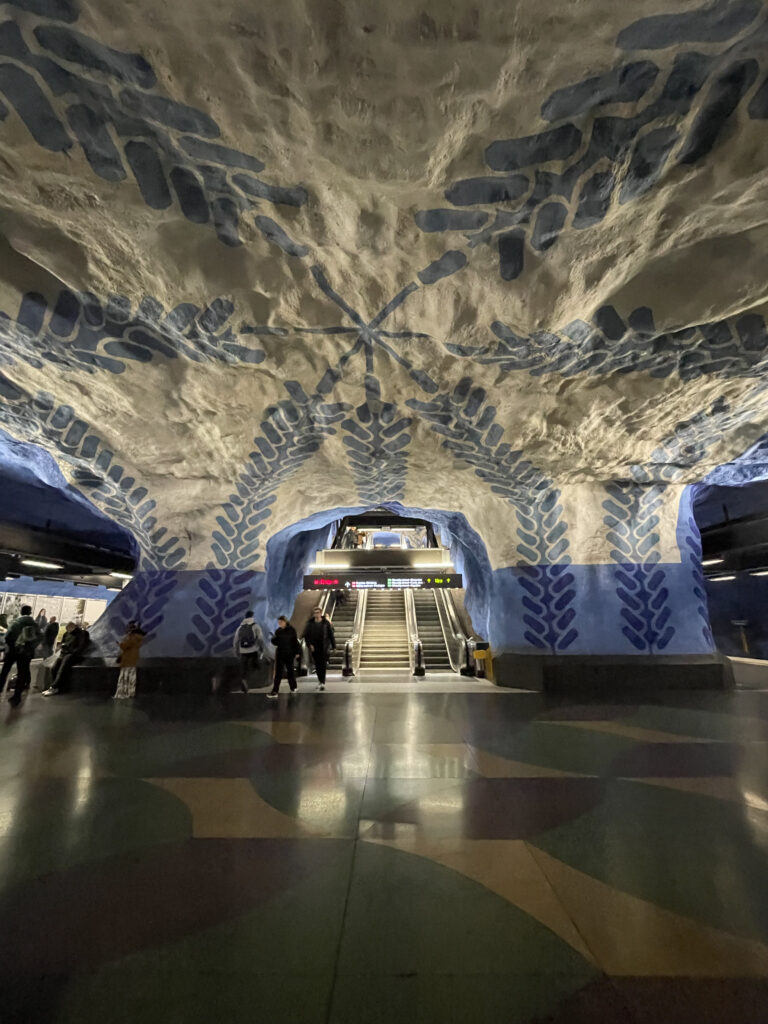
(354, 646)
(460, 647)
(415, 647)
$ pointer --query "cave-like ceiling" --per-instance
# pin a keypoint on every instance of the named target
(261, 260)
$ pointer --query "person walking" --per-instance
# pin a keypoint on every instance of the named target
(321, 641)
(73, 645)
(286, 644)
(128, 659)
(248, 647)
(50, 633)
(21, 642)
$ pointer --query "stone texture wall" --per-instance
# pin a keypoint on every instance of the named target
(502, 262)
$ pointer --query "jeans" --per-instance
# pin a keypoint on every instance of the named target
(284, 666)
(62, 670)
(321, 664)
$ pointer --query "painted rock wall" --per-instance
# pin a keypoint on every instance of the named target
(504, 262)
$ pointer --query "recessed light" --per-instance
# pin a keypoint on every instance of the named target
(40, 565)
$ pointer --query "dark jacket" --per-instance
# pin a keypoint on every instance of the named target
(286, 642)
(75, 642)
(13, 634)
(51, 632)
(319, 635)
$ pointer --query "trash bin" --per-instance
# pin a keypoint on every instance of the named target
(483, 667)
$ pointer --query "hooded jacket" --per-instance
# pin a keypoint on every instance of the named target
(257, 646)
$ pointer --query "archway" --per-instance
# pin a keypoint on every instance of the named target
(290, 550)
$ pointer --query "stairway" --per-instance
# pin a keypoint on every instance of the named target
(385, 635)
(431, 632)
(342, 620)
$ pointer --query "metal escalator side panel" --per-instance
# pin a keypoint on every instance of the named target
(413, 629)
(453, 636)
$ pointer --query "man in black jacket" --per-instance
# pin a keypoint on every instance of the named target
(21, 642)
(286, 648)
(321, 641)
(50, 636)
(73, 646)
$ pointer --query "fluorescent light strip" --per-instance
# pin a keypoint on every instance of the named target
(713, 561)
(122, 575)
(720, 579)
(40, 565)
(762, 572)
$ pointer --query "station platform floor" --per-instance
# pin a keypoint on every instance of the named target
(361, 857)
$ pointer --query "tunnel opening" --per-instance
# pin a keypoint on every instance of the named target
(291, 550)
(385, 619)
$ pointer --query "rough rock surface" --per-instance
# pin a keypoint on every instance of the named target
(505, 260)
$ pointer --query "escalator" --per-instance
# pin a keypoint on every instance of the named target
(385, 641)
(430, 630)
(343, 620)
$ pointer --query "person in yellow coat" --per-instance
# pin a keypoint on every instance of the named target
(128, 659)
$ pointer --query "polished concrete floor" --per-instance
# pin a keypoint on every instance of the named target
(384, 857)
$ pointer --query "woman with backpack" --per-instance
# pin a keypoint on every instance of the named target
(248, 647)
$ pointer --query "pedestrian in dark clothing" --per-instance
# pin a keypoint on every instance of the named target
(321, 641)
(286, 644)
(49, 636)
(76, 640)
(21, 642)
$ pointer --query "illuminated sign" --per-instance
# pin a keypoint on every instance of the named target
(373, 579)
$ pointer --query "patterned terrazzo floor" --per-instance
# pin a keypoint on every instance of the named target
(453, 857)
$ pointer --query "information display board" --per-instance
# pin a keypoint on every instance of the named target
(373, 580)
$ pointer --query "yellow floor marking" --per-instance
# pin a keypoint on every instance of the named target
(634, 732)
(633, 937)
(503, 866)
(231, 809)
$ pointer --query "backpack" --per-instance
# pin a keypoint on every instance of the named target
(247, 636)
(28, 640)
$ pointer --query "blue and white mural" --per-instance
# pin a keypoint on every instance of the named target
(316, 338)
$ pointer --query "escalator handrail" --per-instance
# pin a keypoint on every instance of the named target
(354, 645)
(456, 641)
(415, 647)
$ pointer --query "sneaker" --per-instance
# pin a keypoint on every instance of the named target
(294, 693)
(271, 696)
(321, 687)
(51, 691)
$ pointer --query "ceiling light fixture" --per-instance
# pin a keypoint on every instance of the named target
(40, 565)
(761, 572)
(712, 561)
(720, 579)
(122, 575)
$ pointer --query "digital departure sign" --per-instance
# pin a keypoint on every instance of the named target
(383, 581)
